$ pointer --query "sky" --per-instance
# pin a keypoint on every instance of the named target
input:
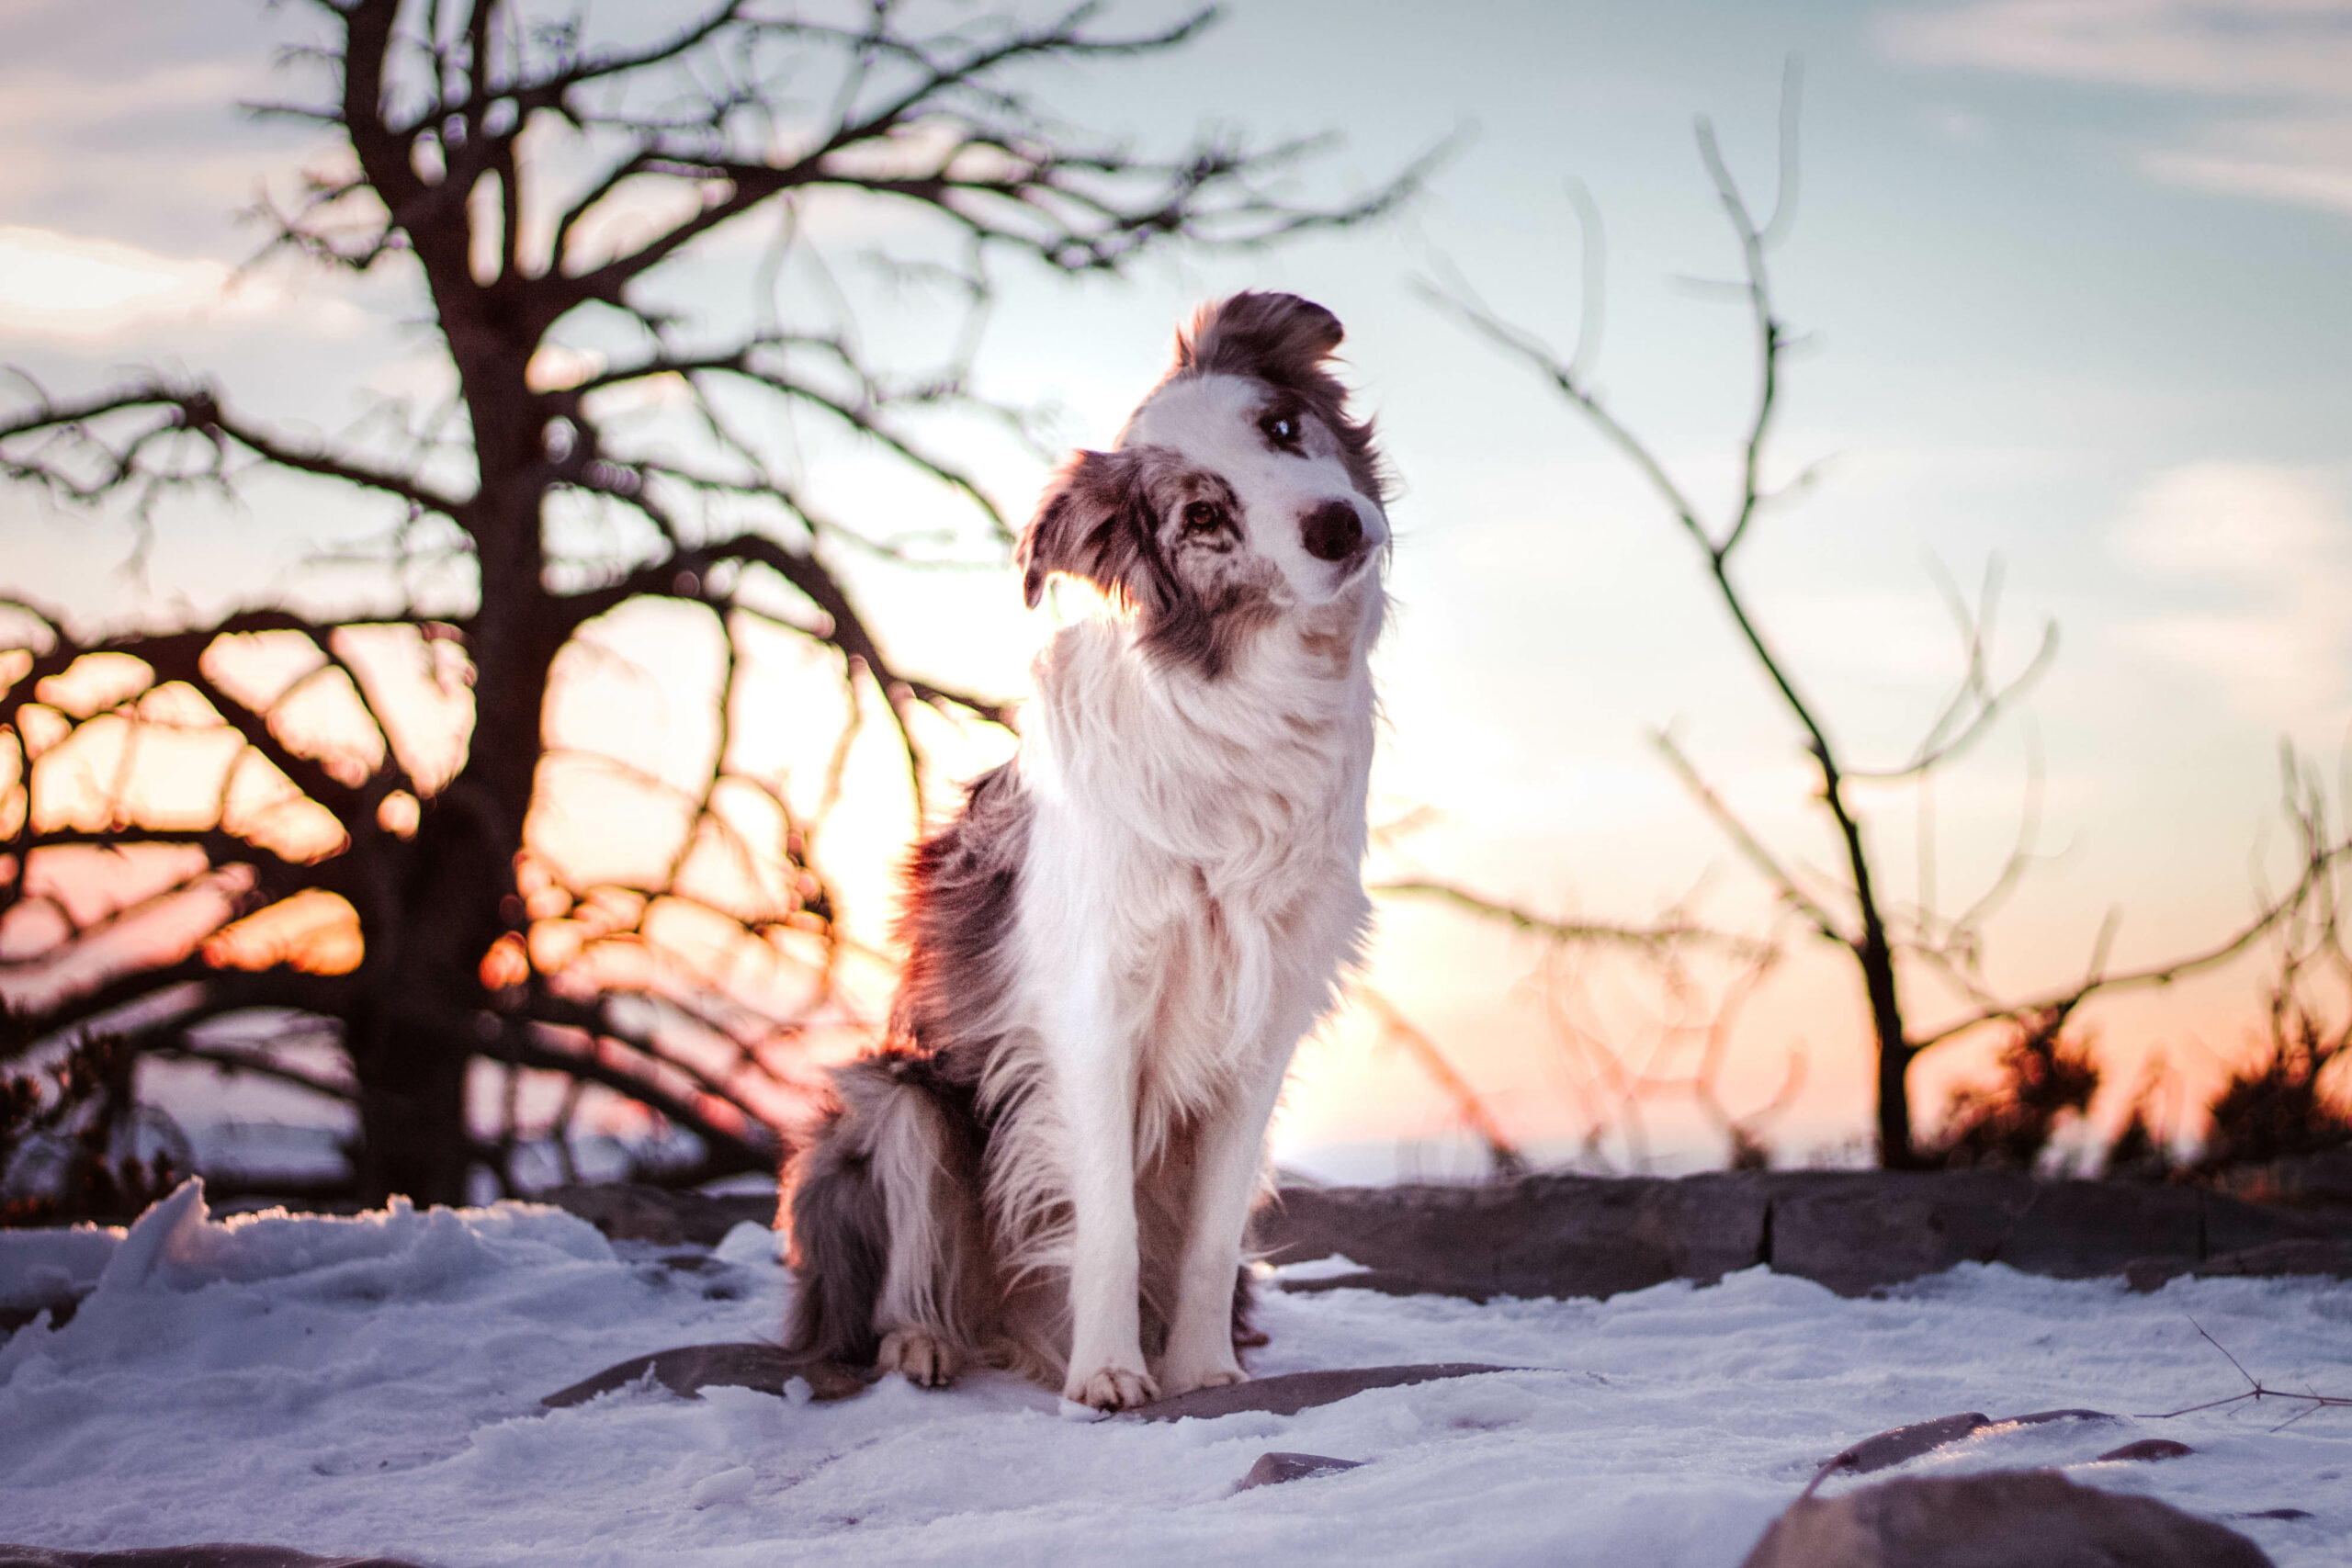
(2071, 278)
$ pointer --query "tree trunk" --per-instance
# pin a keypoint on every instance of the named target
(1895, 1053)
(430, 1012)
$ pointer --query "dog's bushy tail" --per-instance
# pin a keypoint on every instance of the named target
(886, 1226)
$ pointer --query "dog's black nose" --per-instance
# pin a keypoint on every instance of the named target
(1332, 531)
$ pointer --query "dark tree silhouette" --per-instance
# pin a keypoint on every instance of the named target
(542, 188)
(1886, 941)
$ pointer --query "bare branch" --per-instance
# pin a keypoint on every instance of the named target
(2272, 914)
(1675, 929)
(194, 409)
(1784, 884)
(1503, 1156)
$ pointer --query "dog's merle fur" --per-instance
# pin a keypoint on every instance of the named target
(1113, 950)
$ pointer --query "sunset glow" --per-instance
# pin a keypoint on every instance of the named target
(2070, 285)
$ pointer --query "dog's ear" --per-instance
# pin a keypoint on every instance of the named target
(1095, 522)
(1278, 338)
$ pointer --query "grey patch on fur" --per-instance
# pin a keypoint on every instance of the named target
(842, 1198)
(955, 925)
(839, 1240)
(1119, 520)
(960, 887)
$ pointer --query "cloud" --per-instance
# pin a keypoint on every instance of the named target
(2285, 66)
(2259, 561)
(2235, 47)
(71, 286)
(2303, 158)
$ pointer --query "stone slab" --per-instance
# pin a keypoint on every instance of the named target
(689, 1369)
(1294, 1391)
(1853, 1231)
(633, 1212)
(1540, 1236)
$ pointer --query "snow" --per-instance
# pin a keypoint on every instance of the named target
(371, 1384)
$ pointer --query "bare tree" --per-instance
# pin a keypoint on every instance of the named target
(543, 189)
(1886, 942)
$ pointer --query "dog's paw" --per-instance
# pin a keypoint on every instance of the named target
(1213, 1376)
(1112, 1388)
(926, 1362)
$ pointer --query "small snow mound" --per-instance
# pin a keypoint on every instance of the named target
(170, 1232)
(38, 1267)
(749, 1244)
(176, 1245)
(727, 1487)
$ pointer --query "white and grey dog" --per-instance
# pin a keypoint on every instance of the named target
(1115, 948)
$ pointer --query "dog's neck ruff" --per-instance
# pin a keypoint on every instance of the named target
(1235, 772)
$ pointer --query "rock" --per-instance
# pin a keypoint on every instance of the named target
(2272, 1260)
(2234, 1226)
(632, 1211)
(59, 1307)
(1890, 1448)
(1852, 1231)
(1542, 1235)
(2143, 1275)
(691, 1368)
(2279, 1258)
(1289, 1394)
(2149, 1448)
(1896, 1445)
(218, 1554)
(2034, 1518)
(2316, 1180)
(1274, 1469)
(2039, 1417)
(48, 1269)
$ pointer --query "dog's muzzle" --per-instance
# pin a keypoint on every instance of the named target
(1332, 531)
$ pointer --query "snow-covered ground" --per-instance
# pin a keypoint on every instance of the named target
(372, 1385)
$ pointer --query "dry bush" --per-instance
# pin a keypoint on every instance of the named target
(2045, 1075)
(67, 1148)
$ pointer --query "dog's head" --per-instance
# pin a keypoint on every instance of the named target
(1240, 490)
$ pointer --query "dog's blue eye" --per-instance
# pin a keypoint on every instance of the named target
(1281, 429)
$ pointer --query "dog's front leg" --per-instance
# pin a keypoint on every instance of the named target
(1096, 1081)
(1232, 1150)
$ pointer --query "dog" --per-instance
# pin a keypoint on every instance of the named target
(1115, 948)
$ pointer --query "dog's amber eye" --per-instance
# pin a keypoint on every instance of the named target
(1282, 429)
(1202, 516)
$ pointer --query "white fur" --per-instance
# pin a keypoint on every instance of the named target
(1192, 892)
